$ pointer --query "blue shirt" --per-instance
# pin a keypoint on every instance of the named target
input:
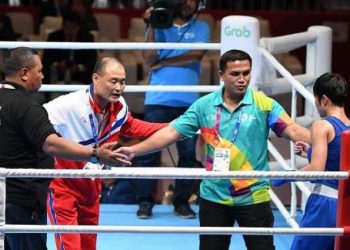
(194, 31)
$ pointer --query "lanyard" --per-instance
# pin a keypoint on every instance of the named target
(109, 116)
(6, 86)
(237, 125)
(93, 128)
(91, 116)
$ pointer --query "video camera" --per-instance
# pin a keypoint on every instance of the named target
(163, 12)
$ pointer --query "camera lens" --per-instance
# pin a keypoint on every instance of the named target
(161, 18)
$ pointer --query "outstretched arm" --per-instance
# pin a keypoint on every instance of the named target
(158, 140)
(58, 146)
(136, 128)
(295, 132)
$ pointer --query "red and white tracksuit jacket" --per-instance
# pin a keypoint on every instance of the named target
(76, 201)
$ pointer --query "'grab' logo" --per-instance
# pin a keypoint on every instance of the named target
(237, 32)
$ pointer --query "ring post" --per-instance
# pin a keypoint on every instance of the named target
(243, 33)
(343, 215)
(318, 58)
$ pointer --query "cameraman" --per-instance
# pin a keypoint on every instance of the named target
(172, 67)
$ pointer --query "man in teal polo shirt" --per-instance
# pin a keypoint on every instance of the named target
(234, 122)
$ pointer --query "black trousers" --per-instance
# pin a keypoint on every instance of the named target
(16, 214)
(217, 215)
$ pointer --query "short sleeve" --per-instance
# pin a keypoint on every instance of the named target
(278, 118)
(203, 34)
(188, 124)
(36, 125)
(55, 114)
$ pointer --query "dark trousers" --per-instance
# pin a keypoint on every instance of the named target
(217, 215)
(145, 188)
(16, 214)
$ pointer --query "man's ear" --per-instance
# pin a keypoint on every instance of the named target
(95, 77)
(324, 100)
(220, 73)
(24, 74)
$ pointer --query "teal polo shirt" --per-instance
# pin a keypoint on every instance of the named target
(256, 114)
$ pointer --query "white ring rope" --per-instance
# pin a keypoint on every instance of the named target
(133, 88)
(111, 46)
(170, 173)
(169, 229)
(281, 84)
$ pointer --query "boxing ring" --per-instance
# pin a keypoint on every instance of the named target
(317, 39)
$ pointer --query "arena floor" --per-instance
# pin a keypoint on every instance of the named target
(124, 215)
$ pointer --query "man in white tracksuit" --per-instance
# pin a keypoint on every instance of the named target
(91, 117)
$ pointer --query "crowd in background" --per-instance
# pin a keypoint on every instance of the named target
(212, 4)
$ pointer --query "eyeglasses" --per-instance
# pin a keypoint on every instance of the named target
(237, 73)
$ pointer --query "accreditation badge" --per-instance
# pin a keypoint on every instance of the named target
(221, 159)
(92, 166)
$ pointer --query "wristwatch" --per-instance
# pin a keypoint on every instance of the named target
(94, 158)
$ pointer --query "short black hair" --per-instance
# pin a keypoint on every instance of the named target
(18, 59)
(233, 55)
(332, 85)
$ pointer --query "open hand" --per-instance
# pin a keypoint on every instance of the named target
(112, 158)
(127, 151)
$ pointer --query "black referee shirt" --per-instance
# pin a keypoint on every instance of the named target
(24, 126)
